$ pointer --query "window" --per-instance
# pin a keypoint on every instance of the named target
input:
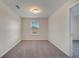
(35, 27)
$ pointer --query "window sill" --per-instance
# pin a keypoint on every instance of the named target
(35, 34)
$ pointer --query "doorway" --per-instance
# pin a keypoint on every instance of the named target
(74, 17)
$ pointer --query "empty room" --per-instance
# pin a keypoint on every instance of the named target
(39, 28)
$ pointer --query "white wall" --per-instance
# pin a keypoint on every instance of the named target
(27, 30)
(59, 28)
(9, 29)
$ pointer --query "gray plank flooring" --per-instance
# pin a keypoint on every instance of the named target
(35, 49)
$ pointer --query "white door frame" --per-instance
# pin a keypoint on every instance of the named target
(70, 19)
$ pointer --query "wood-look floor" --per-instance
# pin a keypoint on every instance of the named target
(35, 49)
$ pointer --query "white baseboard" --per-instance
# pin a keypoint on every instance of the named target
(10, 48)
(33, 40)
(58, 48)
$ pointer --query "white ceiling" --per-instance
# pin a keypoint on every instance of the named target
(48, 7)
